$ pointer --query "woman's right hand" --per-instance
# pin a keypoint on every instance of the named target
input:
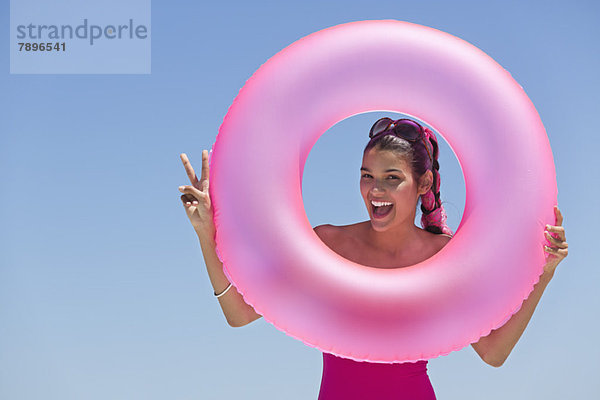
(196, 199)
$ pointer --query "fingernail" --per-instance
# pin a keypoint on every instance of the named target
(180, 187)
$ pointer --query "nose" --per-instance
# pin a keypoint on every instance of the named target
(377, 186)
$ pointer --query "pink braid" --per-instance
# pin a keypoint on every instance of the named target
(434, 214)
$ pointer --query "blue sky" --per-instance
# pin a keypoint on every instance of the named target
(103, 289)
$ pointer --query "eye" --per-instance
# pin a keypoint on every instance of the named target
(393, 177)
(365, 176)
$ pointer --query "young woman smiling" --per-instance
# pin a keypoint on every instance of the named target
(399, 168)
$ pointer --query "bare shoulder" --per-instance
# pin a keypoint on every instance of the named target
(329, 234)
(337, 237)
(440, 240)
(324, 230)
(434, 241)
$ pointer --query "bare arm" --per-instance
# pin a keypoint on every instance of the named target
(495, 348)
(237, 312)
(198, 207)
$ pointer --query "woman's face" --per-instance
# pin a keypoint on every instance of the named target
(387, 180)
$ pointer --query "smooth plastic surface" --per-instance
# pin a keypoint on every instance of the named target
(271, 253)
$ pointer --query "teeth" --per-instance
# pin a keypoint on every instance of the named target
(380, 203)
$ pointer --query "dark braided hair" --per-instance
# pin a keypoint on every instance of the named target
(434, 216)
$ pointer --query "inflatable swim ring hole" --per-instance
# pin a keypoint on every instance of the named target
(330, 183)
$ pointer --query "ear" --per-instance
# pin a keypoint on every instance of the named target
(425, 182)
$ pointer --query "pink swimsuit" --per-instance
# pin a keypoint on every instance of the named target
(345, 379)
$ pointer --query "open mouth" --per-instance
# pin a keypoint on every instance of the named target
(381, 208)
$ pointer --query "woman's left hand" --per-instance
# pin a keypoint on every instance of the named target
(558, 248)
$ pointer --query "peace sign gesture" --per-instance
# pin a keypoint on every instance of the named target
(196, 199)
(558, 248)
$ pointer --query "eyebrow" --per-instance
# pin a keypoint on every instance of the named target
(387, 170)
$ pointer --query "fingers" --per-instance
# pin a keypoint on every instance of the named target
(189, 169)
(188, 200)
(205, 172)
(562, 253)
(198, 190)
(558, 215)
(556, 242)
(191, 194)
(559, 230)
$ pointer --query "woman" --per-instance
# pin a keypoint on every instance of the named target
(399, 167)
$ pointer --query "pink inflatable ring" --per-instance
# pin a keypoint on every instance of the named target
(271, 253)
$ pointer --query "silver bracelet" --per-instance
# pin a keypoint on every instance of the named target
(224, 291)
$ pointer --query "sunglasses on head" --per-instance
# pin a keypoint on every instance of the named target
(403, 128)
